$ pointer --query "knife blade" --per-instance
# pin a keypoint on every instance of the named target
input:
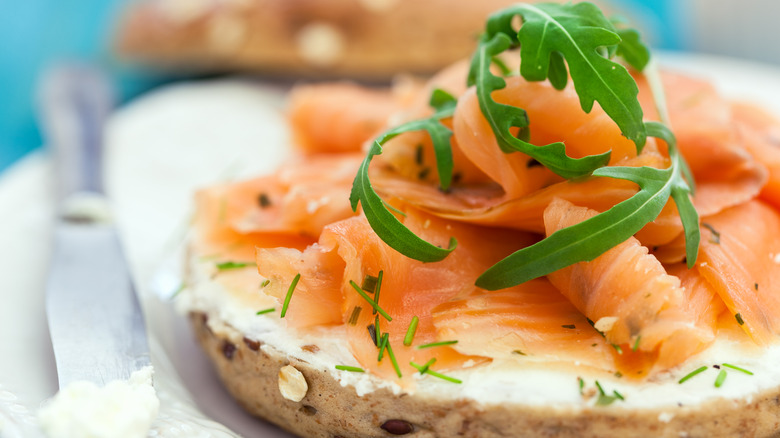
(95, 321)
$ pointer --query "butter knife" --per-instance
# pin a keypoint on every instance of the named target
(95, 321)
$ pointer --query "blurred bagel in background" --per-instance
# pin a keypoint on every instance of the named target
(368, 39)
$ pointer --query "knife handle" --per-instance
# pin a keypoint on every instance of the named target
(74, 102)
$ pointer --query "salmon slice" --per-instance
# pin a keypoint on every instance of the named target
(627, 293)
(288, 208)
(528, 322)
(317, 297)
(742, 265)
(760, 134)
(411, 288)
(338, 117)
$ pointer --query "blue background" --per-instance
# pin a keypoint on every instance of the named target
(36, 33)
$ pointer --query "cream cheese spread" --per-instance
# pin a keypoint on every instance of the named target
(122, 408)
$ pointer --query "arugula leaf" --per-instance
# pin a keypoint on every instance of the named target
(589, 239)
(632, 49)
(578, 33)
(382, 221)
(503, 118)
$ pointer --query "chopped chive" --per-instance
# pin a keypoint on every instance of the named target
(519, 352)
(224, 266)
(392, 359)
(601, 390)
(349, 368)
(436, 344)
(377, 289)
(734, 367)
(264, 200)
(370, 301)
(411, 331)
(581, 383)
(635, 347)
(178, 290)
(569, 326)
(740, 321)
(720, 379)
(715, 238)
(427, 365)
(755, 285)
(618, 374)
(619, 395)
(418, 154)
(424, 173)
(372, 333)
(264, 311)
(692, 373)
(377, 331)
(434, 373)
(617, 348)
(369, 283)
(265, 282)
(382, 346)
(353, 319)
(289, 294)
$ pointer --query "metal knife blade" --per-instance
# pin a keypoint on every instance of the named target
(95, 321)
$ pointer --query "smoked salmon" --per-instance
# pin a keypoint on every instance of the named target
(636, 309)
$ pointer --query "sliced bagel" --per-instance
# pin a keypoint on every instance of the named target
(288, 377)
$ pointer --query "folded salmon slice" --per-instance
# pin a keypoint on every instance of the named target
(628, 294)
(742, 263)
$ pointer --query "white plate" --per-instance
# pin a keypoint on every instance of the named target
(162, 147)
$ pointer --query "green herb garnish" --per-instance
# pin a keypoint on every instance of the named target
(605, 399)
(264, 200)
(739, 319)
(720, 379)
(349, 368)
(692, 373)
(411, 331)
(377, 331)
(436, 344)
(734, 367)
(265, 283)
(390, 353)
(225, 266)
(382, 221)
(290, 291)
(353, 318)
(427, 365)
(264, 311)
(519, 352)
(377, 289)
(635, 347)
(569, 326)
(552, 39)
(369, 283)
(715, 237)
(434, 373)
(382, 346)
(581, 384)
(370, 301)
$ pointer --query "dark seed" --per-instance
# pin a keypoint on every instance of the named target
(264, 200)
(398, 427)
(228, 349)
(308, 410)
(253, 345)
(372, 333)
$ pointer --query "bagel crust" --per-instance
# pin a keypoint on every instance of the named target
(251, 372)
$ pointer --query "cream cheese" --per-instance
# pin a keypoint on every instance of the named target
(122, 408)
(521, 380)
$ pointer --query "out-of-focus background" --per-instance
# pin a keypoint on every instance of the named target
(34, 34)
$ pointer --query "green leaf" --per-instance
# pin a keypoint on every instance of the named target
(580, 33)
(502, 118)
(632, 49)
(384, 223)
(589, 239)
